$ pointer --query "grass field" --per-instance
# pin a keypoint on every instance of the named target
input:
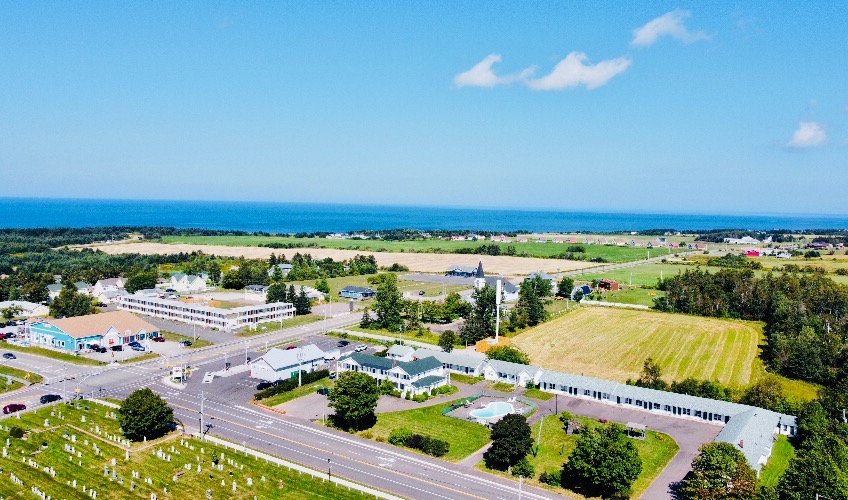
(464, 437)
(464, 379)
(778, 462)
(298, 392)
(404, 286)
(613, 343)
(656, 450)
(49, 353)
(34, 378)
(176, 337)
(610, 253)
(275, 326)
(83, 466)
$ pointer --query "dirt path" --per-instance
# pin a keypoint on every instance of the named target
(421, 262)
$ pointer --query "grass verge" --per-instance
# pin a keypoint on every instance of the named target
(537, 394)
(176, 337)
(464, 379)
(48, 353)
(464, 437)
(304, 390)
(276, 326)
(34, 378)
(781, 454)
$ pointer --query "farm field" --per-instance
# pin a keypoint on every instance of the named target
(613, 343)
(42, 461)
(421, 262)
(611, 253)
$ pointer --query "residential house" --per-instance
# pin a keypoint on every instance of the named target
(456, 362)
(80, 332)
(461, 271)
(412, 377)
(609, 285)
(182, 282)
(108, 285)
(745, 240)
(285, 269)
(83, 287)
(53, 290)
(111, 296)
(357, 292)
(401, 353)
(583, 289)
(281, 364)
(509, 290)
(256, 292)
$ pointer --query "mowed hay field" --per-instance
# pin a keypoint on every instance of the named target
(612, 343)
(422, 262)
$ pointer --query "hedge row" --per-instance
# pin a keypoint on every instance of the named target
(291, 384)
(430, 446)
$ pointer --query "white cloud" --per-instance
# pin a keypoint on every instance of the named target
(482, 75)
(573, 71)
(670, 24)
(808, 135)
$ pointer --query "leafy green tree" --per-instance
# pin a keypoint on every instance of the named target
(507, 353)
(354, 399)
(565, 286)
(454, 307)
(651, 376)
(276, 293)
(144, 414)
(70, 303)
(389, 305)
(214, 272)
(232, 280)
(141, 281)
(276, 274)
(812, 421)
(447, 340)
(11, 311)
(480, 322)
(511, 442)
(820, 467)
(604, 463)
(322, 285)
(720, 471)
(530, 308)
(765, 393)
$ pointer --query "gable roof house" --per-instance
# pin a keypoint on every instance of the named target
(53, 290)
(285, 269)
(281, 364)
(413, 377)
(108, 285)
(511, 373)
(83, 287)
(357, 292)
(401, 353)
(461, 271)
(111, 296)
(182, 282)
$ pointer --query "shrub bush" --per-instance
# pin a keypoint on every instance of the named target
(419, 398)
(553, 478)
(415, 441)
(399, 436)
(16, 432)
(291, 384)
(435, 447)
(523, 468)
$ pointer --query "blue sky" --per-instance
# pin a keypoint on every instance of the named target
(615, 106)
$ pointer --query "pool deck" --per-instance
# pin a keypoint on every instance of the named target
(464, 413)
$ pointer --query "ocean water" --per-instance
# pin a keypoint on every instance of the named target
(310, 217)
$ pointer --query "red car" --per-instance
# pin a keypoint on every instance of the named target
(12, 408)
(158, 339)
(291, 347)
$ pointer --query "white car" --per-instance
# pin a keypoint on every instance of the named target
(361, 347)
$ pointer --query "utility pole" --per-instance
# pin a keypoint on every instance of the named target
(299, 364)
(520, 481)
(202, 433)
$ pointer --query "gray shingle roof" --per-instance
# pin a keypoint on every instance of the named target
(512, 368)
(752, 433)
(427, 381)
(279, 358)
(451, 358)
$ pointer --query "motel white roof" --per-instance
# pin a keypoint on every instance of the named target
(281, 358)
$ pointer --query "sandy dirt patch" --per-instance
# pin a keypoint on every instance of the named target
(421, 262)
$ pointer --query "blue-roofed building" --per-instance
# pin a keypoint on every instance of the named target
(357, 292)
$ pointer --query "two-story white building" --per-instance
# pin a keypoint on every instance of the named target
(408, 377)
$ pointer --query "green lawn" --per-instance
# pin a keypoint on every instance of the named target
(611, 253)
(176, 337)
(781, 453)
(656, 450)
(61, 356)
(45, 446)
(14, 386)
(537, 394)
(144, 357)
(276, 326)
(34, 378)
(502, 387)
(464, 437)
(639, 275)
(634, 295)
(464, 379)
(298, 392)
(427, 338)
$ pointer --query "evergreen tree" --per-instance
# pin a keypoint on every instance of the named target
(480, 323)
(389, 305)
(291, 296)
(511, 442)
(301, 303)
(276, 293)
(322, 285)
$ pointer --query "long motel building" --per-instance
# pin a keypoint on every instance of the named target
(204, 315)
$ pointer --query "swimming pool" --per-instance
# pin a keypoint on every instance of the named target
(493, 410)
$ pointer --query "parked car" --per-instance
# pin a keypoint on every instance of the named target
(170, 290)
(12, 408)
(49, 398)
(138, 347)
(342, 343)
(117, 348)
(261, 386)
(158, 339)
(134, 343)
(332, 375)
(289, 348)
(9, 335)
(420, 292)
(323, 391)
(20, 322)
(9, 355)
(185, 343)
(361, 347)
(2, 325)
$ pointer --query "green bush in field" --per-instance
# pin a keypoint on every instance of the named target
(16, 432)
